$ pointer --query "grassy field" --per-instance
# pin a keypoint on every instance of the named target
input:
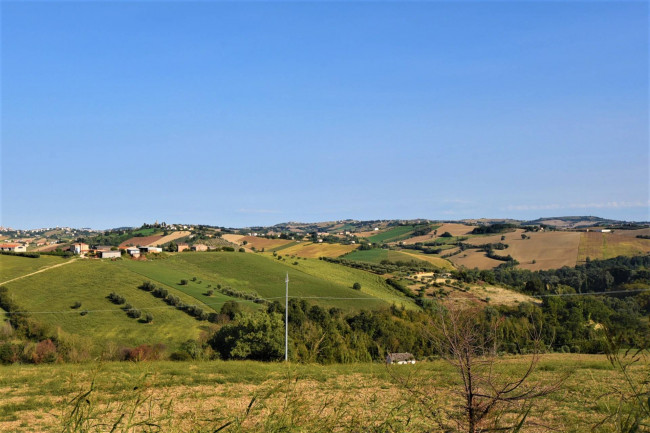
(14, 266)
(257, 397)
(50, 295)
(264, 274)
(596, 245)
(376, 255)
(392, 234)
(314, 250)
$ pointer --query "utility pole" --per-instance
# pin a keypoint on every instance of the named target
(286, 320)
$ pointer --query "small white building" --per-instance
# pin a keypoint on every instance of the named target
(14, 248)
(400, 358)
(109, 254)
(133, 252)
(79, 248)
(150, 249)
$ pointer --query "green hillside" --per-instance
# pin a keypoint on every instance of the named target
(50, 295)
(264, 275)
(14, 266)
(393, 234)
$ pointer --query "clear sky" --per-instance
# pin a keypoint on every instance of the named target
(236, 114)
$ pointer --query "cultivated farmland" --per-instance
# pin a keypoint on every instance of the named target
(172, 237)
(142, 241)
(549, 250)
(315, 250)
(597, 245)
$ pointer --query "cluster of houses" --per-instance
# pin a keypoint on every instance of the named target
(13, 248)
(108, 252)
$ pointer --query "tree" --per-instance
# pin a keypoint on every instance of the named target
(356, 286)
(446, 235)
(469, 345)
(259, 336)
(230, 309)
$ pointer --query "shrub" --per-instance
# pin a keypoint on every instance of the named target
(116, 299)
(147, 286)
(84, 312)
(148, 318)
(193, 278)
(356, 286)
(76, 305)
(183, 283)
(209, 292)
(242, 250)
(45, 351)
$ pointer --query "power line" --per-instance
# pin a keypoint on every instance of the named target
(331, 298)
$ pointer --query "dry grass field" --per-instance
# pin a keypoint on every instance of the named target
(265, 397)
(314, 250)
(474, 259)
(550, 250)
(259, 243)
(597, 245)
(455, 229)
(436, 261)
(142, 241)
(172, 237)
(47, 248)
(232, 238)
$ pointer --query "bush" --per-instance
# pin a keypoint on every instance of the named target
(147, 286)
(116, 299)
(133, 313)
(76, 305)
(209, 292)
(183, 283)
(242, 250)
(356, 286)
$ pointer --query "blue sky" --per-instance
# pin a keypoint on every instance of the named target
(236, 114)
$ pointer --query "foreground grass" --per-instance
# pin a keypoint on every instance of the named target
(251, 396)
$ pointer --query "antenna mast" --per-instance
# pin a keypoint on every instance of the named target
(286, 320)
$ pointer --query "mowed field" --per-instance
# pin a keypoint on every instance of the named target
(49, 296)
(172, 237)
(264, 275)
(14, 266)
(264, 397)
(597, 245)
(315, 250)
(550, 250)
(142, 241)
(262, 243)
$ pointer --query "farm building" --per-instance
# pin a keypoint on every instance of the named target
(133, 252)
(400, 358)
(79, 248)
(109, 254)
(199, 247)
(14, 248)
(150, 249)
(183, 247)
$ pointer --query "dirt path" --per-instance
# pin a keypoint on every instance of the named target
(39, 271)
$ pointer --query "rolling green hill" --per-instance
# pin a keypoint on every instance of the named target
(264, 275)
(49, 295)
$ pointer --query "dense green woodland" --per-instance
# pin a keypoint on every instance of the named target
(569, 318)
